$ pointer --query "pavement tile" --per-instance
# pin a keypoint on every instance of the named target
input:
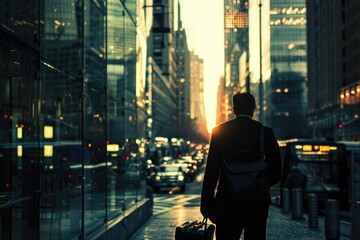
(162, 224)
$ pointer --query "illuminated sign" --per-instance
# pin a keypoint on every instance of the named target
(112, 147)
(316, 148)
(307, 148)
(325, 148)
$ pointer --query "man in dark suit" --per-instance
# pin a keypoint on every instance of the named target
(250, 213)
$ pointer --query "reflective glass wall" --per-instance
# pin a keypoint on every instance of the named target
(287, 90)
(72, 159)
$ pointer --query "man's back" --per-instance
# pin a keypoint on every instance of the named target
(234, 135)
(249, 213)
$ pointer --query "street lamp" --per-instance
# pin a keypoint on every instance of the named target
(261, 92)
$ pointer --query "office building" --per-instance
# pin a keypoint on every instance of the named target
(69, 150)
(236, 43)
(334, 88)
(350, 92)
(259, 54)
(197, 106)
(286, 93)
(221, 102)
(162, 45)
(183, 75)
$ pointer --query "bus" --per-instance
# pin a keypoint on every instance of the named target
(353, 161)
(323, 163)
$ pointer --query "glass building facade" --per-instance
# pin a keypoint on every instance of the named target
(286, 93)
(72, 149)
(259, 54)
(236, 44)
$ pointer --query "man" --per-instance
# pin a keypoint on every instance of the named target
(249, 214)
(296, 179)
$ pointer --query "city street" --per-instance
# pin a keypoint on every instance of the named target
(171, 210)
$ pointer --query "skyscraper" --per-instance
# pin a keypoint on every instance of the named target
(197, 106)
(236, 43)
(183, 75)
(286, 93)
(162, 49)
(259, 54)
(333, 53)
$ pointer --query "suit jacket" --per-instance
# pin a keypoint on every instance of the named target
(226, 139)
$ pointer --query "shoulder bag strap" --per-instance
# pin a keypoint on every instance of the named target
(262, 141)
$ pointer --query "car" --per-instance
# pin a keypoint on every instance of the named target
(169, 176)
(166, 160)
(188, 170)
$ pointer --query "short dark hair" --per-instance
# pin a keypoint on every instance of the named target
(244, 103)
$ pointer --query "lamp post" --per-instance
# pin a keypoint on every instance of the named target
(261, 91)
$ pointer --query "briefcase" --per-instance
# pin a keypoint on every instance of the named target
(195, 230)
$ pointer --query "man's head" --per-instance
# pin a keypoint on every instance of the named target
(244, 104)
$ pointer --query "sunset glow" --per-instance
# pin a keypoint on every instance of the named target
(203, 21)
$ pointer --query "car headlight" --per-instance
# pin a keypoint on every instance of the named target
(180, 178)
(157, 178)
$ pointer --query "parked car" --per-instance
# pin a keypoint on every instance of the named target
(169, 176)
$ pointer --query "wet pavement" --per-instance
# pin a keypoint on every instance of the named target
(173, 210)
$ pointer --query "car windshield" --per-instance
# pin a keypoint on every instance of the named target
(170, 169)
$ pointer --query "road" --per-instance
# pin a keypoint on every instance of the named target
(172, 209)
(193, 187)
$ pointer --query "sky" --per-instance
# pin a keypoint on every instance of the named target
(204, 24)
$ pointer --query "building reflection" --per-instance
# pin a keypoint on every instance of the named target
(72, 153)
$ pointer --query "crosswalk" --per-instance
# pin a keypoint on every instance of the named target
(166, 203)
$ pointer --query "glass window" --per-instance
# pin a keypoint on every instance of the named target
(61, 121)
(19, 148)
(72, 124)
(94, 115)
(95, 163)
(62, 159)
(115, 111)
(131, 151)
(20, 17)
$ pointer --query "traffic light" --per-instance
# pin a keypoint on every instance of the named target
(340, 126)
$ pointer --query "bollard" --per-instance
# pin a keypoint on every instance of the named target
(332, 219)
(297, 203)
(313, 211)
(355, 221)
(285, 200)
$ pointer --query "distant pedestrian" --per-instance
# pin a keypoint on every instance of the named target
(249, 213)
(296, 179)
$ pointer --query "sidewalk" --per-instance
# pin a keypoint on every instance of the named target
(161, 225)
